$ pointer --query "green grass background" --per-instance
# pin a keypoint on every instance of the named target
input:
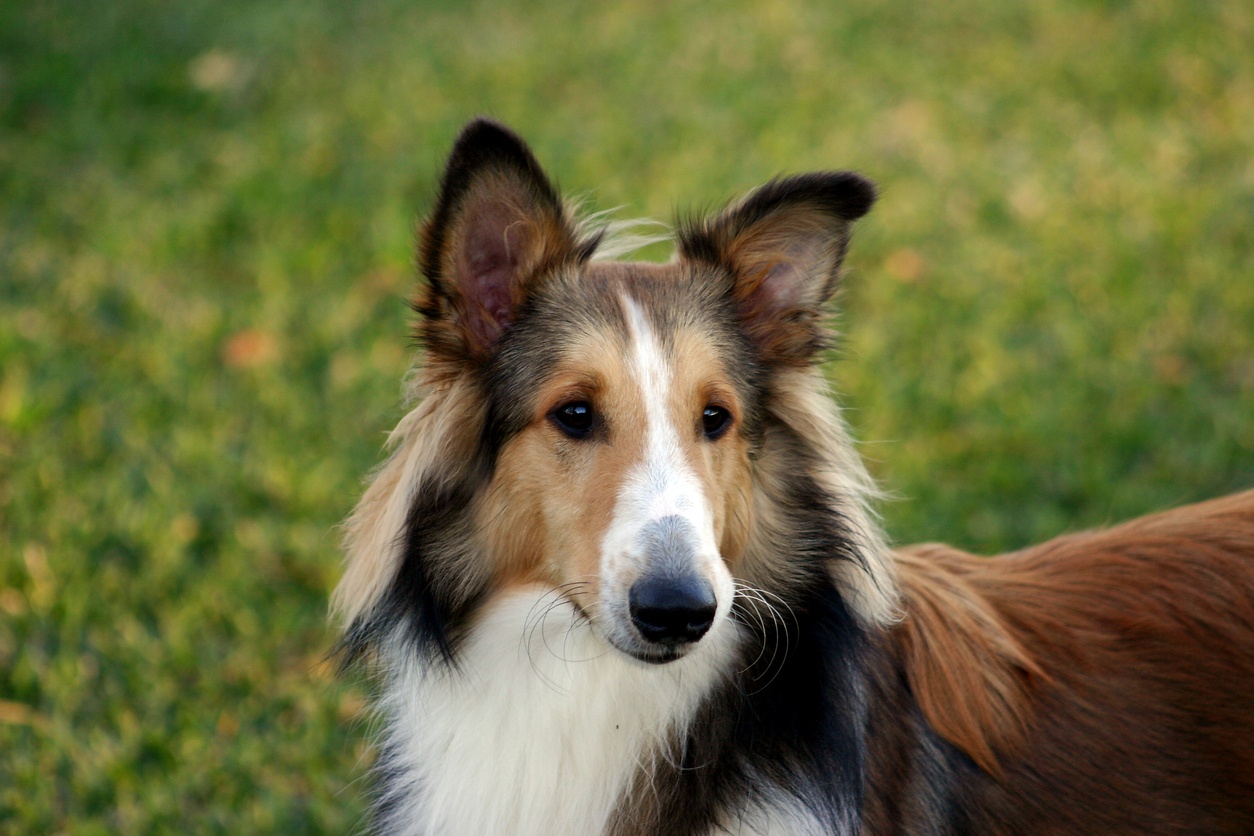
(205, 244)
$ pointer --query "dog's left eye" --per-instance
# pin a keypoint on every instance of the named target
(714, 421)
(575, 418)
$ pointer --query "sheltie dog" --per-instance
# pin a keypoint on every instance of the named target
(621, 575)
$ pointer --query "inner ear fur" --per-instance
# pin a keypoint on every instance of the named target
(498, 226)
(782, 247)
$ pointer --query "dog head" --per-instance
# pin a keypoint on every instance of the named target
(598, 427)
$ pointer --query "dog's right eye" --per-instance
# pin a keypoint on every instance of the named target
(574, 418)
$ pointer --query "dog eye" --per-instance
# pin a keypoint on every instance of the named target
(574, 418)
(714, 421)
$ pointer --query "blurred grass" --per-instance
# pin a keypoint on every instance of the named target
(204, 253)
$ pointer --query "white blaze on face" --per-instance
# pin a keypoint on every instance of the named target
(661, 484)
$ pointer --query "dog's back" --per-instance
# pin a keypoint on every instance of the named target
(1099, 683)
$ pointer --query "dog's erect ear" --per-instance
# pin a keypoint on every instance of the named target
(497, 226)
(783, 246)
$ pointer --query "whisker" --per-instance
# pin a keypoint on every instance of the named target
(761, 626)
(775, 651)
(546, 604)
(561, 596)
(753, 596)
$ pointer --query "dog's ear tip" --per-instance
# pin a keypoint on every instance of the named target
(484, 140)
(846, 194)
(483, 122)
(484, 127)
(860, 194)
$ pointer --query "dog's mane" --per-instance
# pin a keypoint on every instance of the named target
(802, 402)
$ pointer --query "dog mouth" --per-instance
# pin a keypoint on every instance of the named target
(653, 654)
(662, 658)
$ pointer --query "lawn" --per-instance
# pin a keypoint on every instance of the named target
(206, 215)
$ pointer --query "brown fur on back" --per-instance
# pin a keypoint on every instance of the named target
(1101, 681)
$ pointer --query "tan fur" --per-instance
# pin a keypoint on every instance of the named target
(699, 379)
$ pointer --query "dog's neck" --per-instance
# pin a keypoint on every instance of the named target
(539, 728)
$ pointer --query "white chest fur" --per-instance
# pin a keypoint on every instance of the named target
(542, 728)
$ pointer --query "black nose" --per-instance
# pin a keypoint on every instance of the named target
(670, 611)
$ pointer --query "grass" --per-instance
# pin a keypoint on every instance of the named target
(205, 233)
